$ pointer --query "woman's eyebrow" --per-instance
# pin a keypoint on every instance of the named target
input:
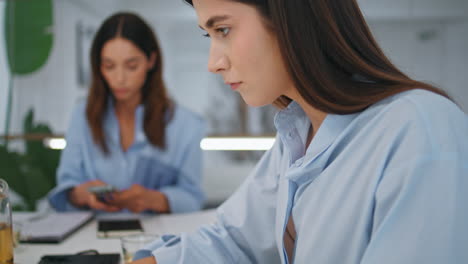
(134, 59)
(130, 60)
(106, 60)
(215, 19)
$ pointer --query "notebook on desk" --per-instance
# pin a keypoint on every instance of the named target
(53, 227)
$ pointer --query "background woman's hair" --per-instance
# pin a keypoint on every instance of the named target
(157, 105)
(331, 55)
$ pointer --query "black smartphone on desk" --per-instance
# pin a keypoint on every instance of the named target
(111, 228)
(80, 259)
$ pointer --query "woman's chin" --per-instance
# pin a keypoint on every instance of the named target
(256, 102)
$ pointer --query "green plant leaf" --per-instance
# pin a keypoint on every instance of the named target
(10, 170)
(32, 174)
(28, 22)
(37, 184)
(38, 155)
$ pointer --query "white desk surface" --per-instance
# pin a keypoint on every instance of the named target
(85, 238)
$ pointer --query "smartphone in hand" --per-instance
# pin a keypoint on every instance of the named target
(102, 192)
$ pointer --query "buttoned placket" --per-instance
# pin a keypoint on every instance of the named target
(139, 137)
(288, 255)
(296, 147)
(288, 121)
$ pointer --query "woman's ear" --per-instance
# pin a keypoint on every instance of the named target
(152, 60)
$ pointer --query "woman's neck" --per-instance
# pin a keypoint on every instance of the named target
(315, 116)
(126, 108)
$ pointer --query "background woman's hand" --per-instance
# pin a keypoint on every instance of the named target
(138, 198)
(148, 260)
(79, 196)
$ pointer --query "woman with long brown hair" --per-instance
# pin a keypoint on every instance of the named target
(369, 166)
(130, 136)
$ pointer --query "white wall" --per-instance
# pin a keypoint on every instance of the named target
(427, 39)
(431, 51)
(456, 62)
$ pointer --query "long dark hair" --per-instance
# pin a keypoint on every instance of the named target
(331, 55)
(157, 105)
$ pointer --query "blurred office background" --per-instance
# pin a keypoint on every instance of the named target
(44, 72)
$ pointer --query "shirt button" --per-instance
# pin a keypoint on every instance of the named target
(290, 135)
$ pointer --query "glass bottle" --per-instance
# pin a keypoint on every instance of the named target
(6, 235)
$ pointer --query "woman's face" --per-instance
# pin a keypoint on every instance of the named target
(124, 67)
(243, 51)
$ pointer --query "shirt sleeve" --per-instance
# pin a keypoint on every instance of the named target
(421, 210)
(187, 194)
(70, 171)
(244, 229)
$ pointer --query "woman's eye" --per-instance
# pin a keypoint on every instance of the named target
(224, 31)
(132, 67)
(108, 67)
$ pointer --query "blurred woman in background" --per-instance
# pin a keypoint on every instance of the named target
(130, 136)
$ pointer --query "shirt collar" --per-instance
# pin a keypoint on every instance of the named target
(293, 121)
(331, 127)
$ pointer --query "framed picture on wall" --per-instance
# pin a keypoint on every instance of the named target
(84, 37)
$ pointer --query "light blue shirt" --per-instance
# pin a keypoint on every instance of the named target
(175, 171)
(386, 185)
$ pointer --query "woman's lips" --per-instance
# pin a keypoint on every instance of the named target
(122, 91)
(235, 86)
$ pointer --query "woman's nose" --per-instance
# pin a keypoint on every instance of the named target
(120, 76)
(218, 61)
